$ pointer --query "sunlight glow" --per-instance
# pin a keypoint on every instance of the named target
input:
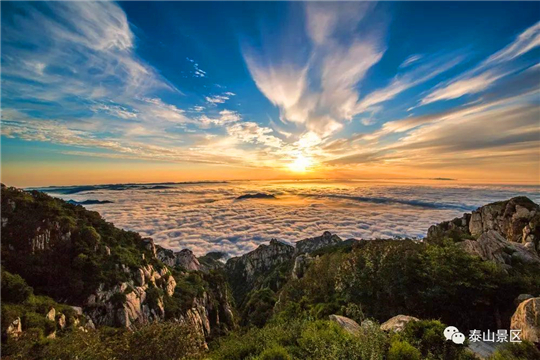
(300, 164)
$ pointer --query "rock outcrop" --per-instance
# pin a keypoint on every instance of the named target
(312, 244)
(260, 260)
(130, 303)
(505, 231)
(527, 319)
(301, 263)
(14, 329)
(397, 323)
(244, 271)
(492, 246)
(184, 258)
(346, 324)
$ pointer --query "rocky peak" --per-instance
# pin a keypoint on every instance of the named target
(516, 219)
(184, 258)
(312, 244)
(244, 270)
(504, 231)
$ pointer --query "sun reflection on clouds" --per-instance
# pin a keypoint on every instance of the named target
(207, 217)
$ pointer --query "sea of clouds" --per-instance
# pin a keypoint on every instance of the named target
(208, 217)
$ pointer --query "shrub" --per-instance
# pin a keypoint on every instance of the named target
(516, 351)
(402, 350)
(14, 288)
(275, 353)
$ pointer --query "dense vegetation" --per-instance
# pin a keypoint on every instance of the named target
(78, 261)
(281, 317)
(159, 341)
(381, 279)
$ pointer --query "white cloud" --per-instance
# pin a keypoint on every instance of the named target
(205, 217)
(219, 99)
(525, 42)
(321, 93)
(463, 87)
(406, 81)
(410, 60)
(488, 71)
(251, 132)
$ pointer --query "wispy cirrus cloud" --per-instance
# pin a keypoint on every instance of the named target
(488, 71)
(321, 93)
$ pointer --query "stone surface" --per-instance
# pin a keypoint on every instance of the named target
(62, 321)
(262, 259)
(506, 232)
(492, 246)
(312, 244)
(521, 298)
(15, 328)
(346, 324)
(51, 315)
(527, 318)
(301, 263)
(397, 323)
(184, 258)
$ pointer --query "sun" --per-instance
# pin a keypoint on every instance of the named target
(300, 164)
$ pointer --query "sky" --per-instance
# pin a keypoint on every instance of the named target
(104, 92)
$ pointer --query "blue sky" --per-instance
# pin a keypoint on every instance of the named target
(141, 91)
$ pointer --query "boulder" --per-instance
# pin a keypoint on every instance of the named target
(346, 324)
(62, 321)
(15, 328)
(397, 323)
(149, 245)
(527, 319)
(491, 245)
(51, 315)
(521, 298)
(78, 310)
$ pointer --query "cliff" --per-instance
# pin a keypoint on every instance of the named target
(115, 277)
(507, 232)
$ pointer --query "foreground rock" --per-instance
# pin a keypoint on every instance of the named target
(505, 232)
(527, 318)
(492, 246)
(397, 323)
(346, 324)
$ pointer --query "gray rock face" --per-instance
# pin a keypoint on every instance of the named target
(521, 298)
(512, 219)
(527, 319)
(301, 263)
(492, 246)
(312, 244)
(505, 231)
(347, 324)
(397, 323)
(262, 259)
(184, 258)
(127, 304)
